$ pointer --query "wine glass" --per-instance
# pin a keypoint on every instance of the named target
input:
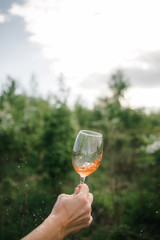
(87, 153)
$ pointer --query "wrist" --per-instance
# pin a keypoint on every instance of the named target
(55, 227)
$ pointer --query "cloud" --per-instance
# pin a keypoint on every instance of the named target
(87, 36)
(94, 80)
(140, 97)
(145, 70)
(87, 39)
(3, 18)
(151, 59)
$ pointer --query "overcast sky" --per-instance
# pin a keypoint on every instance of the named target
(86, 40)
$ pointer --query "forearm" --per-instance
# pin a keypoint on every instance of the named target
(50, 229)
(70, 214)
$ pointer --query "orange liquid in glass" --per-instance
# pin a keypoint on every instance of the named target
(90, 168)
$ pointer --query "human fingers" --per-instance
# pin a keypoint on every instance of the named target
(63, 196)
(84, 189)
(87, 222)
(84, 223)
(90, 198)
(77, 189)
(90, 220)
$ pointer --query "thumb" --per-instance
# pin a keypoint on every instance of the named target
(77, 189)
(84, 189)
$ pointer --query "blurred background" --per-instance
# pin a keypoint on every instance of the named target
(71, 65)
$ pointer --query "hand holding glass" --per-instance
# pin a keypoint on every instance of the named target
(87, 153)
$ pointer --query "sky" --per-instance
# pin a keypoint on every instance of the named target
(86, 41)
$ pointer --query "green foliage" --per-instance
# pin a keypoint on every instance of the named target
(128, 179)
(57, 142)
(118, 84)
(36, 139)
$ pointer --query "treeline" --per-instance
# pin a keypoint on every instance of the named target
(36, 140)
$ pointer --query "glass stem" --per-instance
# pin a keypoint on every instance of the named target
(82, 179)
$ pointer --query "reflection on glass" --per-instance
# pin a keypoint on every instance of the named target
(87, 153)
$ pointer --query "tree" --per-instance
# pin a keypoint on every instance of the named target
(57, 142)
(118, 84)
